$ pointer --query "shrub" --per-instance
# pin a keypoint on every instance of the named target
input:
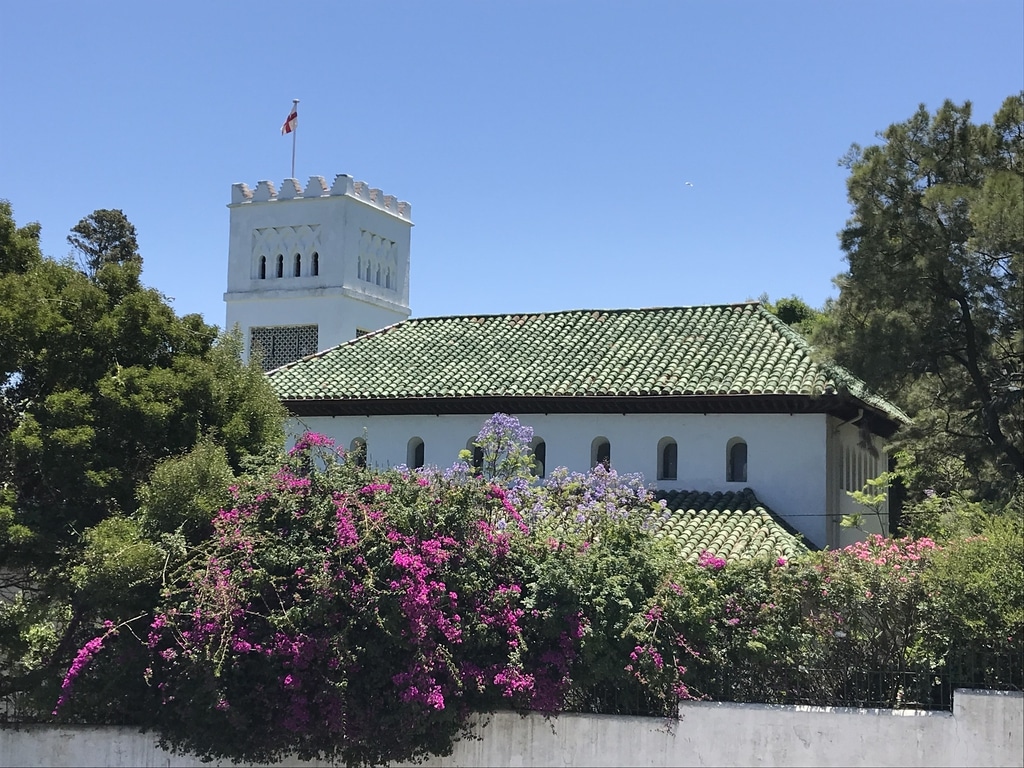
(343, 614)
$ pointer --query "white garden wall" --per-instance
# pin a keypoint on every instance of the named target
(984, 729)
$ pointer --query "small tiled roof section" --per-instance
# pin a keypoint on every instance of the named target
(733, 525)
(704, 352)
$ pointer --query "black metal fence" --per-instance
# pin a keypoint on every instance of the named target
(16, 709)
(922, 688)
(908, 688)
(887, 689)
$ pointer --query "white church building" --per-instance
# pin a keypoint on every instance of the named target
(721, 403)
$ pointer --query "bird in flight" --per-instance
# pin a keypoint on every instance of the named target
(689, 183)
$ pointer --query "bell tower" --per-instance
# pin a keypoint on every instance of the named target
(311, 268)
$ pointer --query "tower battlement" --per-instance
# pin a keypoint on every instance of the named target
(305, 277)
(266, 192)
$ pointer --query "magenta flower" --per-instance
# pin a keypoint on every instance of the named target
(83, 657)
(710, 561)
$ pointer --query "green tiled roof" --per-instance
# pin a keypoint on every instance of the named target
(733, 525)
(714, 352)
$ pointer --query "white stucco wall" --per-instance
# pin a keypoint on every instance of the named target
(786, 454)
(338, 313)
(853, 458)
(333, 222)
(984, 729)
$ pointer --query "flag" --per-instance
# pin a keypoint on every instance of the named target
(291, 122)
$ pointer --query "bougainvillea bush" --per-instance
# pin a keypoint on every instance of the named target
(362, 616)
(340, 613)
(347, 614)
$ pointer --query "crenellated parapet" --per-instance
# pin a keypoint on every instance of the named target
(266, 192)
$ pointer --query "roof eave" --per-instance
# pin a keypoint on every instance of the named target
(841, 407)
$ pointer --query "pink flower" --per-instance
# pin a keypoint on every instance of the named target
(435, 699)
(710, 561)
(83, 657)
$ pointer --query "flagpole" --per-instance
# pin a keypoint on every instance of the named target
(295, 109)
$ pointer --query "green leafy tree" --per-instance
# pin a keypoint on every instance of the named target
(930, 309)
(976, 595)
(19, 246)
(100, 382)
(794, 312)
(871, 497)
(105, 237)
(185, 492)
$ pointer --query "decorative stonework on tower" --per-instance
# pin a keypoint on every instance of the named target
(311, 268)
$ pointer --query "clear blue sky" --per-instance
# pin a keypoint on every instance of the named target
(545, 146)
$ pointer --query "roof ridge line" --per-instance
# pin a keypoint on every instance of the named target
(580, 310)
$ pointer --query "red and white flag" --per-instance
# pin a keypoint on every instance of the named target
(291, 122)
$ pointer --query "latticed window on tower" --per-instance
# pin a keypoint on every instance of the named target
(282, 344)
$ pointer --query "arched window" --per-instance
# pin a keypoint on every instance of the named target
(316, 264)
(540, 457)
(369, 271)
(736, 461)
(414, 453)
(601, 453)
(387, 279)
(358, 451)
(668, 456)
(280, 265)
(378, 276)
(298, 265)
(263, 267)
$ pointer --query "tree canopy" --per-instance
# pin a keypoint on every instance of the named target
(794, 312)
(105, 237)
(100, 381)
(929, 311)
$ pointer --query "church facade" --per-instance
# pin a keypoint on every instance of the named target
(724, 400)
